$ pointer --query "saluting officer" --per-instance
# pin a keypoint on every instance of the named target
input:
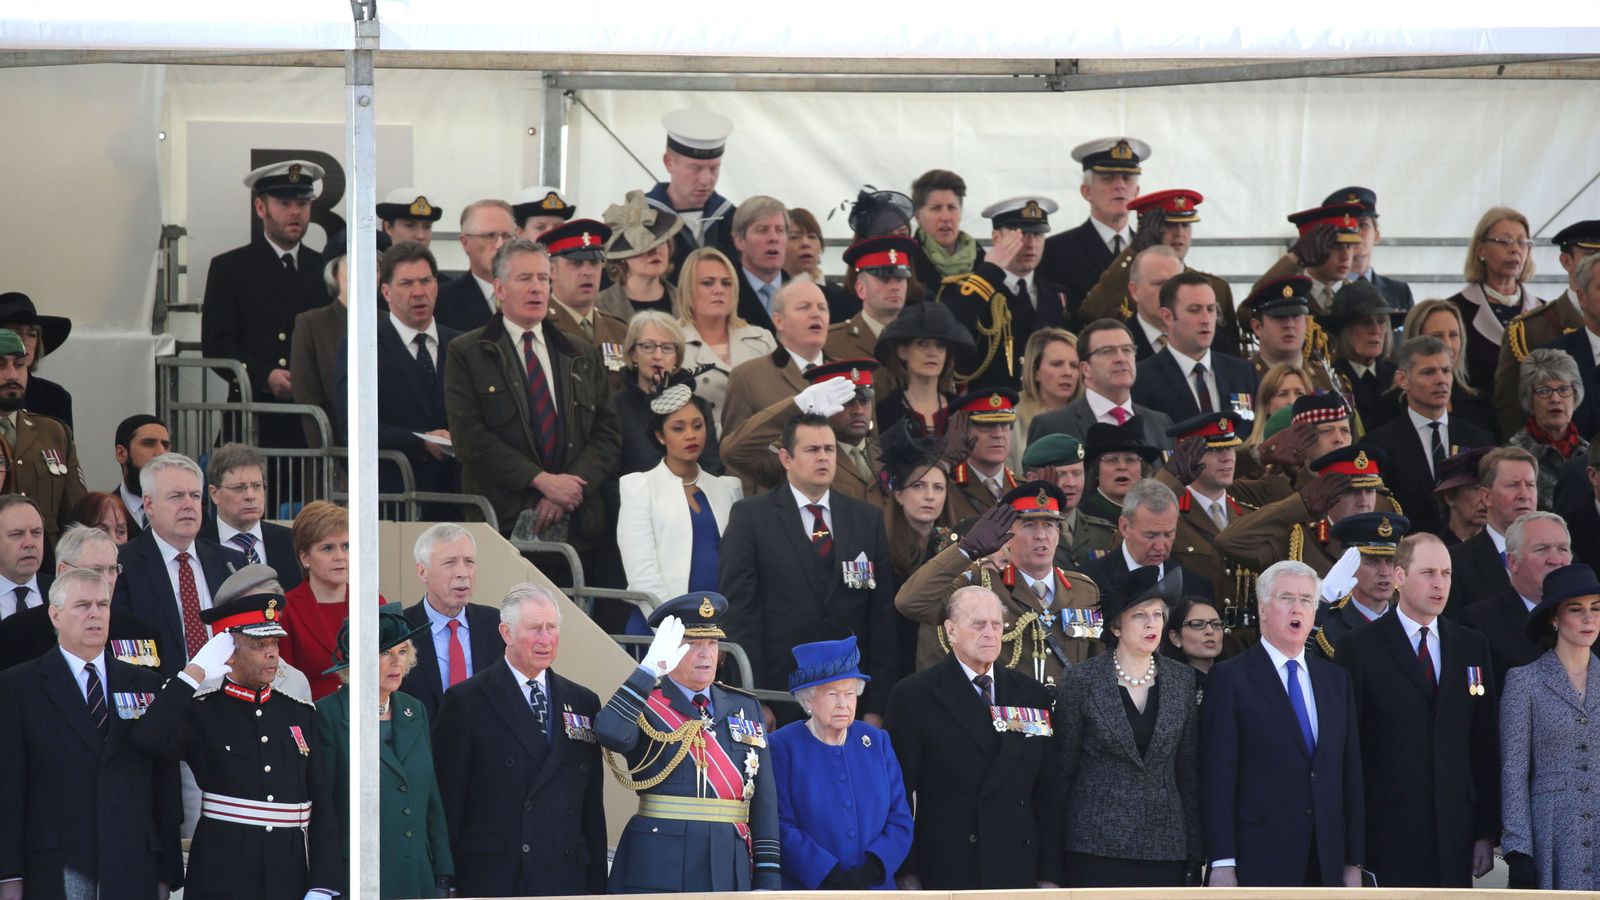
(1201, 473)
(696, 752)
(1059, 459)
(986, 418)
(1300, 526)
(883, 276)
(1362, 594)
(267, 826)
(1051, 619)
(38, 458)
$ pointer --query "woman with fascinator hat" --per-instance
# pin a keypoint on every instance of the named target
(639, 258)
(415, 859)
(671, 517)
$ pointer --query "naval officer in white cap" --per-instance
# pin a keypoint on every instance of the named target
(1111, 172)
(695, 141)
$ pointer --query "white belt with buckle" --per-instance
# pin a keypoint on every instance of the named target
(259, 813)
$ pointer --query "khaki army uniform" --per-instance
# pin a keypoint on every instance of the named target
(967, 496)
(1321, 376)
(1035, 641)
(1528, 331)
(851, 339)
(751, 449)
(1279, 531)
(43, 465)
(1084, 538)
(610, 337)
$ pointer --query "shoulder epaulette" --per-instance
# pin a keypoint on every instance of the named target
(1568, 330)
(1297, 543)
(1517, 337)
(970, 284)
(737, 690)
(1321, 637)
(1340, 603)
(1084, 517)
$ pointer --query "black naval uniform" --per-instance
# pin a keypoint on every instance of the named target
(1334, 621)
(250, 747)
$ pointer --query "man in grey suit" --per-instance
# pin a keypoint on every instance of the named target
(1107, 351)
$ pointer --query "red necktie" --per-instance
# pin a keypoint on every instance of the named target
(1120, 414)
(194, 630)
(821, 537)
(458, 656)
(1426, 658)
(543, 405)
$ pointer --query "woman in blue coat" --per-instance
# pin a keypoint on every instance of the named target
(843, 819)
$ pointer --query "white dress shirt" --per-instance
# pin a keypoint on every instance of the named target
(1161, 569)
(994, 683)
(280, 251)
(540, 349)
(1206, 504)
(169, 556)
(527, 690)
(1102, 406)
(806, 520)
(1424, 428)
(1413, 633)
(134, 503)
(802, 362)
(408, 337)
(488, 293)
(1324, 291)
(1155, 337)
(8, 595)
(80, 675)
(1186, 366)
(1107, 233)
(1280, 665)
(225, 533)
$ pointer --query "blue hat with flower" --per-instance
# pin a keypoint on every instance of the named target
(825, 661)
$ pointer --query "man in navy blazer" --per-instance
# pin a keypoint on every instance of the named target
(1185, 378)
(511, 782)
(1424, 372)
(1282, 803)
(1107, 350)
(463, 637)
(150, 587)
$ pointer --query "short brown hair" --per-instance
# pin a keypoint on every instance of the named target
(936, 180)
(1085, 346)
(1408, 547)
(1186, 278)
(1492, 460)
(404, 252)
(805, 221)
(316, 521)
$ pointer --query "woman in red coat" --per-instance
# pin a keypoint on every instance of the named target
(321, 602)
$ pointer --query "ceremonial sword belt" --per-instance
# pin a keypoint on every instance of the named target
(257, 813)
(695, 809)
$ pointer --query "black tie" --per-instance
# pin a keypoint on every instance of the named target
(22, 598)
(1116, 245)
(1200, 390)
(983, 682)
(288, 261)
(702, 703)
(424, 358)
(97, 701)
(1438, 449)
(1022, 292)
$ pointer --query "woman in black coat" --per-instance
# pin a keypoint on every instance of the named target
(654, 351)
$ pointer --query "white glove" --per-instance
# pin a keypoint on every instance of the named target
(1341, 579)
(826, 398)
(667, 650)
(213, 657)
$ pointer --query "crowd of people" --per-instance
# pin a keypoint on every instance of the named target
(1074, 571)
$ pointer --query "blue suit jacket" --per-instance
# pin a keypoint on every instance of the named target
(1264, 797)
(1160, 384)
(145, 592)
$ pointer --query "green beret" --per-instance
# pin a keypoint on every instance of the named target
(1278, 421)
(11, 343)
(1053, 450)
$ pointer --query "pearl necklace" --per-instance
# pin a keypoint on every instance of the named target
(1149, 674)
(811, 724)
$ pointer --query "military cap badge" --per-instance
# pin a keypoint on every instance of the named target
(706, 609)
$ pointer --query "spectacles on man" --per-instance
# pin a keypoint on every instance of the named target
(1203, 624)
(245, 487)
(1510, 243)
(1117, 350)
(1544, 391)
(497, 237)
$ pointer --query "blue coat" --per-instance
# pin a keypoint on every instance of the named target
(676, 855)
(837, 804)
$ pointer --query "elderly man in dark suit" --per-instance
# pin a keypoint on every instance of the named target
(87, 813)
(980, 761)
(1282, 803)
(1425, 434)
(1509, 477)
(468, 301)
(253, 293)
(412, 348)
(170, 573)
(1186, 379)
(804, 563)
(518, 766)
(1076, 257)
(1426, 702)
(530, 412)
(1107, 351)
(1536, 545)
(463, 637)
(236, 483)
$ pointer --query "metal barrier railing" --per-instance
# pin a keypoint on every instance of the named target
(196, 426)
(644, 600)
(528, 547)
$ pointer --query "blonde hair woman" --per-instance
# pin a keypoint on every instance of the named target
(1498, 265)
(1441, 319)
(715, 339)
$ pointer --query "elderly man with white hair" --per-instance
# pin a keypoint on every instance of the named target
(519, 767)
(462, 637)
(1282, 803)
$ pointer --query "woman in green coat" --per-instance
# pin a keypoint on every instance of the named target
(414, 859)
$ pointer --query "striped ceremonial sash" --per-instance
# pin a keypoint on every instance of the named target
(722, 774)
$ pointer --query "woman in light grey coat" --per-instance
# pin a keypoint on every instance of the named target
(1128, 731)
(1550, 743)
